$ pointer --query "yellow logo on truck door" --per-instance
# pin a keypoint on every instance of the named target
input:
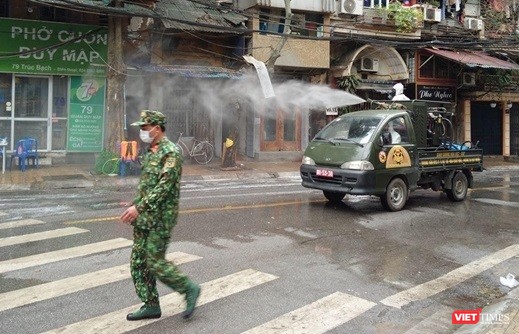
(398, 157)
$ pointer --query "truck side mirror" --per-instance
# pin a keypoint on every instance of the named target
(385, 138)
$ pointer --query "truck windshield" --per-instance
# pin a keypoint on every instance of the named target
(356, 129)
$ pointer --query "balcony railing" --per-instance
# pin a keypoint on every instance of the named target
(498, 83)
(323, 6)
(382, 16)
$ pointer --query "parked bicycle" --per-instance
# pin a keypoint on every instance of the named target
(201, 150)
(111, 166)
(118, 166)
(128, 163)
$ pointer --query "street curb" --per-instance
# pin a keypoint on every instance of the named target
(131, 182)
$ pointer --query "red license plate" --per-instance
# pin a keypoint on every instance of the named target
(324, 172)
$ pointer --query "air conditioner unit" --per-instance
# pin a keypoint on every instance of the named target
(368, 64)
(352, 7)
(432, 14)
(329, 6)
(468, 79)
(473, 24)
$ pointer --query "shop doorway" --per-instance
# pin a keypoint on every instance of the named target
(281, 129)
(487, 127)
(34, 106)
(32, 102)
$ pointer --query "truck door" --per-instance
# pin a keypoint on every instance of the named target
(398, 143)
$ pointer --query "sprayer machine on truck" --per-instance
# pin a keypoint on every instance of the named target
(390, 151)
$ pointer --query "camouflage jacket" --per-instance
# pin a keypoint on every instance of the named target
(159, 188)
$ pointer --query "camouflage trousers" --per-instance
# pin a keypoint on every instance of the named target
(147, 264)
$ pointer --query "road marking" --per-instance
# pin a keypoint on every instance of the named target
(37, 293)
(497, 202)
(438, 323)
(20, 239)
(64, 254)
(450, 279)
(20, 223)
(187, 211)
(248, 194)
(318, 317)
(171, 304)
(240, 185)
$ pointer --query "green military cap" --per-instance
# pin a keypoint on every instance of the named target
(152, 117)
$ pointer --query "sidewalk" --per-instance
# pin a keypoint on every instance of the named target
(502, 317)
(83, 176)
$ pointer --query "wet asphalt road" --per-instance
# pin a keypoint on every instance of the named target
(313, 248)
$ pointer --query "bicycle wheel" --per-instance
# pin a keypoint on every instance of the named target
(203, 153)
(180, 146)
(111, 167)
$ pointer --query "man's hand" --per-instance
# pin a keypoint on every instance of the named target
(129, 215)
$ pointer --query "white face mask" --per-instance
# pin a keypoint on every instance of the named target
(145, 136)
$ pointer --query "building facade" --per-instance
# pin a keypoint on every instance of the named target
(52, 80)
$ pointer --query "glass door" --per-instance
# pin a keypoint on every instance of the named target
(6, 107)
(32, 102)
(281, 129)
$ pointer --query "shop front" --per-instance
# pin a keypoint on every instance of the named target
(52, 86)
(486, 106)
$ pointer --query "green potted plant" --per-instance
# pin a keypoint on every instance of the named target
(433, 3)
(406, 19)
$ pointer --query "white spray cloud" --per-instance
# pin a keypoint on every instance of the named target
(217, 94)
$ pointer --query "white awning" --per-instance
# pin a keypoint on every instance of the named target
(391, 65)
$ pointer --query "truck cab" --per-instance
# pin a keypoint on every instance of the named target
(374, 152)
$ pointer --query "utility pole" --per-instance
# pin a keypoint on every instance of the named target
(116, 77)
(276, 53)
(231, 144)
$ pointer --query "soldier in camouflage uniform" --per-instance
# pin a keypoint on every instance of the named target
(153, 215)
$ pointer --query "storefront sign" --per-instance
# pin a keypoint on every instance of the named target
(332, 111)
(36, 47)
(86, 121)
(435, 93)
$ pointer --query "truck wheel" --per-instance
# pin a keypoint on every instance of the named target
(333, 197)
(459, 189)
(396, 195)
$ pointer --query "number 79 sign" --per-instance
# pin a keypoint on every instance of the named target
(86, 116)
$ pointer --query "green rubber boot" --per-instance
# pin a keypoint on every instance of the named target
(191, 297)
(145, 312)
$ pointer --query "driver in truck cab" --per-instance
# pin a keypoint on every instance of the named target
(395, 136)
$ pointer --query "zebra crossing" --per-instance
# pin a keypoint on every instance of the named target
(69, 285)
(222, 287)
(318, 316)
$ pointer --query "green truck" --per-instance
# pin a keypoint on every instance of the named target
(389, 151)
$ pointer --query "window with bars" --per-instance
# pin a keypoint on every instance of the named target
(434, 67)
(186, 114)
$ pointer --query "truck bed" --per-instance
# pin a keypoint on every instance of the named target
(434, 160)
